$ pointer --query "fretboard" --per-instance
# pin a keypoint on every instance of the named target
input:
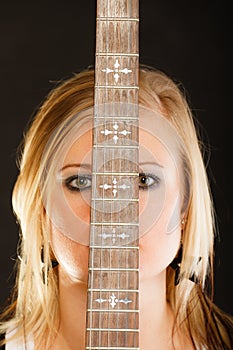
(113, 284)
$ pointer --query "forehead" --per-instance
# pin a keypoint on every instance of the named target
(73, 140)
(158, 140)
(151, 148)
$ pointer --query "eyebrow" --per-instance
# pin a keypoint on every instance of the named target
(88, 166)
(151, 163)
(76, 165)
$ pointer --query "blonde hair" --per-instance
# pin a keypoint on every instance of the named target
(34, 308)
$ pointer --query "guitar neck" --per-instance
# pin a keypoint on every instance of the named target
(113, 284)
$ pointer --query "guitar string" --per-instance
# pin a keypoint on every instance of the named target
(106, 99)
(103, 253)
(118, 209)
(128, 259)
(95, 230)
(136, 284)
(136, 319)
(127, 284)
(102, 211)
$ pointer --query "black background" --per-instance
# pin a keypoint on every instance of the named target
(42, 42)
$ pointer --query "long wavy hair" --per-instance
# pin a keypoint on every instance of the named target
(34, 307)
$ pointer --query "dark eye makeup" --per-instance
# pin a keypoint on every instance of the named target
(148, 181)
(77, 183)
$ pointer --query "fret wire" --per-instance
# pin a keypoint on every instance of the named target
(113, 329)
(115, 269)
(116, 199)
(115, 173)
(116, 117)
(127, 311)
(106, 19)
(112, 247)
(114, 223)
(116, 87)
(113, 290)
(110, 348)
(115, 147)
(119, 54)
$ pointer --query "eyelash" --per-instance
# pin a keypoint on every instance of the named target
(155, 181)
(68, 182)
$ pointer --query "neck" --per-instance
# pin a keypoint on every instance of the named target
(72, 303)
(155, 314)
(156, 317)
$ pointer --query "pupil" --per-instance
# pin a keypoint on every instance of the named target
(81, 181)
(143, 179)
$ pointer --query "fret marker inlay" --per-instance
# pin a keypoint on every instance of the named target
(114, 187)
(115, 132)
(116, 71)
(113, 235)
(113, 300)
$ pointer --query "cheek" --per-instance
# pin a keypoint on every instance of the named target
(160, 242)
(71, 256)
(157, 250)
(69, 214)
(79, 204)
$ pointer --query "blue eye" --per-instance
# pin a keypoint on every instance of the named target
(148, 180)
(78, 182)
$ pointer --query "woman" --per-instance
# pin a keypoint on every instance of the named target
(176, 241)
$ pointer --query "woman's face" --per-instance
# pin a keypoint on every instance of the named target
(160, 191)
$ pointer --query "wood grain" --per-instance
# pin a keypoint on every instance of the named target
(113, 283)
